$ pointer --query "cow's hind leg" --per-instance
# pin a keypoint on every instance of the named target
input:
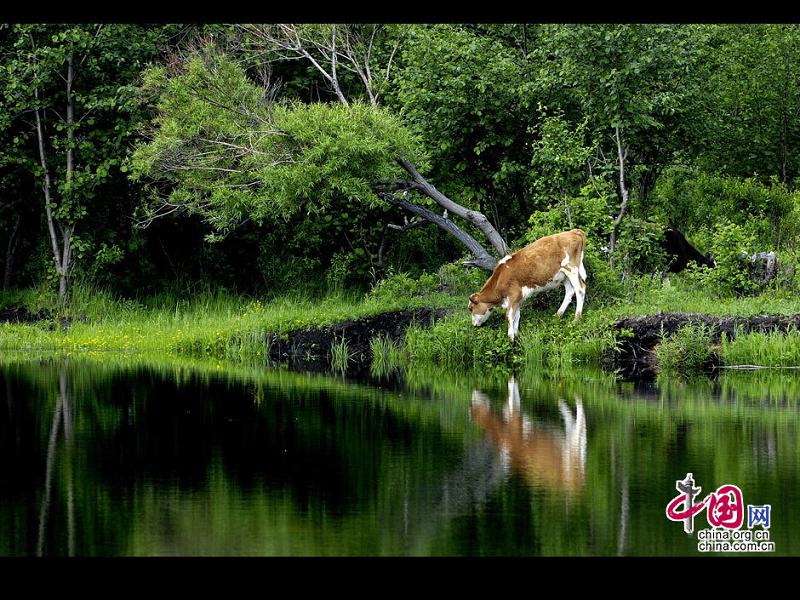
(569, 292)
(579, 288)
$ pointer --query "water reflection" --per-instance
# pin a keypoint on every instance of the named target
(62, 421)
(98, 458)
(545, 455)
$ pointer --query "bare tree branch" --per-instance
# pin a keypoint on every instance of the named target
(621, 155)
(476, 218)
(482, 258)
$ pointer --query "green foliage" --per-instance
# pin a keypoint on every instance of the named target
(465, 93)
(636, 77)
(685, 352)
(730, 245)
(692, 200)
(559, 157)
(639, 247)
(106, 61)
(455, 343)
(387, 354)
(452, 279)
(544, 340)
(228, 153)
(514, 120)
(588, 211)
(745, 118)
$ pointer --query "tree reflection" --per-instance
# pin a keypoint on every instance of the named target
(62, 419)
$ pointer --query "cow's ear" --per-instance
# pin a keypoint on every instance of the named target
(474, 298)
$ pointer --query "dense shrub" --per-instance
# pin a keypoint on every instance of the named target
(639, 248)
(730, 245)
(686, 351)
(694, 201)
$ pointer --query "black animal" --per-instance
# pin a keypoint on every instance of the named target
(680, 252)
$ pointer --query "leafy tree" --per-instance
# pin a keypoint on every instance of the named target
(632, 83)
(746, 116)
(221, 147)
(72, 88)
(466, 92)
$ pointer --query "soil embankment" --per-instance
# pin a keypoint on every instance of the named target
(21, 314)
(310, 349)
(635, 355)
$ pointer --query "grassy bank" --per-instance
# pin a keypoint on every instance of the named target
(545, 340)
(211, 323)
(227, 326)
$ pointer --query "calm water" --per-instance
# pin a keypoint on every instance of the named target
(108, 457)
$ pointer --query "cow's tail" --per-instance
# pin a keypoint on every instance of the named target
(581, 269)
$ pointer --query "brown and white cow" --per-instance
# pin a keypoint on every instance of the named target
(546, 263)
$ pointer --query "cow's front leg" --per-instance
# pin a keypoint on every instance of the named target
(512, 316)
(510, 319)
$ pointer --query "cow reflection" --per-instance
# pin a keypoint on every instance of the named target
(545, 455)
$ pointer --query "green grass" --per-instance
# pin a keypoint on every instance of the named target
(543, 340)
(222, 325)
(215, 324)
(685, 352)
(340, 356)
(387, 354)
(773, 349)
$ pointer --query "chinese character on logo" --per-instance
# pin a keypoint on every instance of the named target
(758, 515)
(725, 508)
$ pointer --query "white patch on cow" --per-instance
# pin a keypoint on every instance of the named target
(565, 262)
(504, 260)
(479, 398)
(554, 282)
(505, 302)
(581, 269)
(516, 321)
(512, 315)
(579, 289)
(505, 457)
(527, 426)
(568, 293)
(478, 320)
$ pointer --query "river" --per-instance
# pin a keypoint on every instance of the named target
(116, 456)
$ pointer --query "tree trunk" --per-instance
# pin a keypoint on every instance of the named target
(51, 224)
(62, 257)
(476, 218)
(11, 250)
(483, 259)
(623, 189)
(66, 255)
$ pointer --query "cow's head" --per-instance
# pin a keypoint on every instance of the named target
(480, 310)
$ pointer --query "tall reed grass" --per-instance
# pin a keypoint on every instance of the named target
(771, 349)
(686, 351)
(340, 356)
